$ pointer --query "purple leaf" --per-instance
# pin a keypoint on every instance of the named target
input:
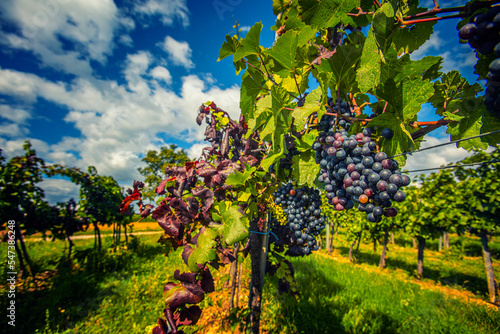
(193, 205)
(170, 223)
(186, 253)
(188, 316)
(205, 169)
(206, 196)
(185, 277)
(207, 281)
(190, 294)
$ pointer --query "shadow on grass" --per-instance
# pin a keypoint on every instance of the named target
(447, 276)
(319, 311)
(75, 291)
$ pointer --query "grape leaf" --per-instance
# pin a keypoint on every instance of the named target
(229, 47)
(476, 119)
(311, 105)
(240, 178)
(205, 251)
(250, 44)
(278, 6)
(235, 223)
(410, 38)
(284, 50)
(327, 13)
(250, 88)
(368, 74)
(452, 89)
(304, 168)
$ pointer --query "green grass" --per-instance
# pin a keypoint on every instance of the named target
(110, 292)
(341, 298)
(121, 292)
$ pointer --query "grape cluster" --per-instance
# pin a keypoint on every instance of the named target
(302, 208)
(353, 173)
(482, 33)
(328, 121)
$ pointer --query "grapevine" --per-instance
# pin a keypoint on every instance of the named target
(295, 143)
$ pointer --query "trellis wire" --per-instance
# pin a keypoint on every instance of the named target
(451, 142)
(453, 166)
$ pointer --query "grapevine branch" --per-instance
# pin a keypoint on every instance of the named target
(464, 11)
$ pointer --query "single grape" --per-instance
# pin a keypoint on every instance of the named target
(387, 133)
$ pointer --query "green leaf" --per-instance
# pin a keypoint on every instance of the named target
(368, 74)
(250, 88)
(238, 178)
(409, 39)
(204, 252)
(474, 122)
(250, 44)
(400, 142)
(312, 104)
(452, 89)
(305, 169)
(278, 6)
(327, 13)
(384, 26)
(229, 47)
(284, 50)
(343, 61)
(235, 223)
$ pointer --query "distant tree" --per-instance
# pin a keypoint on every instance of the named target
(22, 200)
(156, 163)
(99, 197)
(480, 190)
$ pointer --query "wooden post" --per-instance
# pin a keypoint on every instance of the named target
(258, 255)
(328, 242)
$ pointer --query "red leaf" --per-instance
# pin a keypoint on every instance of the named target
(127, 200)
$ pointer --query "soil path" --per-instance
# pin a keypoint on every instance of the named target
(91, 236)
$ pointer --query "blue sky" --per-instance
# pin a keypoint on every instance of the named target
(100, 82)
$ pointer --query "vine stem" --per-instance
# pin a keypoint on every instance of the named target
(416, 124)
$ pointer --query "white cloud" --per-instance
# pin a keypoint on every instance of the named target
(126, 40)
(88, 24)
(179, 52)
(168, 10)
(458, 58)
(435, 157)
(16, 115)
(194, 152)
(137, 66)
(12, 130)
(59, 190)
(161, 73)
(117, 124)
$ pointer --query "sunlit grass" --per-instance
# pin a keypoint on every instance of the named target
(121, 292)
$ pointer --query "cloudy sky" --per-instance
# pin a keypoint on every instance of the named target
(100, 82)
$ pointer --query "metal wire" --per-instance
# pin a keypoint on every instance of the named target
(451, 142)
(453, 166)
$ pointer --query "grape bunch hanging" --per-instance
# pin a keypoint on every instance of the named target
(483, 34)
(354, 173)
(302, 208)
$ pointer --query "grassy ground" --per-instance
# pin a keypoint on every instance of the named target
(460, 267)
(121, 292)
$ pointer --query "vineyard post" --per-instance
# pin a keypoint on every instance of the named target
(493, 288)
(328, 240)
